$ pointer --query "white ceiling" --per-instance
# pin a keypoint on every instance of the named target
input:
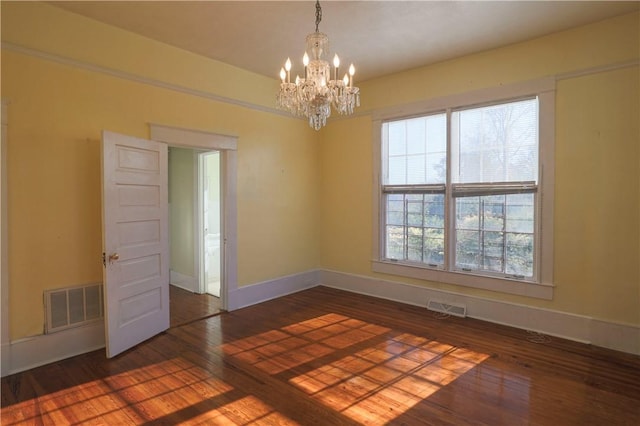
(379, 37)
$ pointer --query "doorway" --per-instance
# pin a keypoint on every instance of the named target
(195, 225)
(226, 146)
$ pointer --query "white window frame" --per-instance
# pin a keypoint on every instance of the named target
(542, 285)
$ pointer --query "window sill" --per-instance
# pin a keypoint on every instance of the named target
(502, 285)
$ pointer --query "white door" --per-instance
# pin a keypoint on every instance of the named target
(135, 240)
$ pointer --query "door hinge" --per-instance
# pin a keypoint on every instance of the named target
(104, 259)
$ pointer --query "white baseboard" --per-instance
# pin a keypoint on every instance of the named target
(185, 282)
(5, 363)
(35, 351)
(267, 290)
(620, 337)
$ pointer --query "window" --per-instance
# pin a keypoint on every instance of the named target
(414, 177)
(460, 194)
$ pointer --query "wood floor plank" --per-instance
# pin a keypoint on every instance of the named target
(327, 357)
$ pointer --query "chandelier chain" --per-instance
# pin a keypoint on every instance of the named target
(318, 14)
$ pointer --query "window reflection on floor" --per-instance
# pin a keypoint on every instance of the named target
(386, 375)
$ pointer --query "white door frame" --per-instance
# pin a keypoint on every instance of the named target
(227, 146)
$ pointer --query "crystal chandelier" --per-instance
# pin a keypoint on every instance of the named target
(313, 95)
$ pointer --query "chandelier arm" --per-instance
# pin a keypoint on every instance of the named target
(318, 14)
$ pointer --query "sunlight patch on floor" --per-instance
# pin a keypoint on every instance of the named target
(276, 351)
(387, 379)
(152, 393)
(237, 413)
(385, 375)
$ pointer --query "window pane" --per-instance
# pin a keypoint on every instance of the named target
(467, 249)
(397, 138)
(434, 246)
(416, 169)
(493, 212)
(520, 213)
(436, 167)
(497, 143)
(397, 170)
(492, 251)
(437, 133)
(416, 150)
(415, 228)
(414, 210)
(520, 254)
(395, 242)
(416, 140)
(395, 210)
(414, 244)
(495, 233)
(467, 213)
(434, 210)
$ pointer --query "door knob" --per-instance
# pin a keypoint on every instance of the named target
(113, 257)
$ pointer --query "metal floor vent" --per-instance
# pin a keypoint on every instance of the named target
(458, 310)
(72, 307)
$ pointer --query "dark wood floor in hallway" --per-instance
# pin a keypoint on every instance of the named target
(327, 357)
(186, 307)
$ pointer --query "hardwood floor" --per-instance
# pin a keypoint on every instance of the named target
(327, 357)
(186, 307)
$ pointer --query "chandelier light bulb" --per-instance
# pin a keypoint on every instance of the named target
(345, 80)
(305, 62)
(336, 61)
(352, 71)
(283, 74)
(287, 66)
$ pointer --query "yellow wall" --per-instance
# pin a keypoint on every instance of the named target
(56, 114)
(182, 205)
(597, 202)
